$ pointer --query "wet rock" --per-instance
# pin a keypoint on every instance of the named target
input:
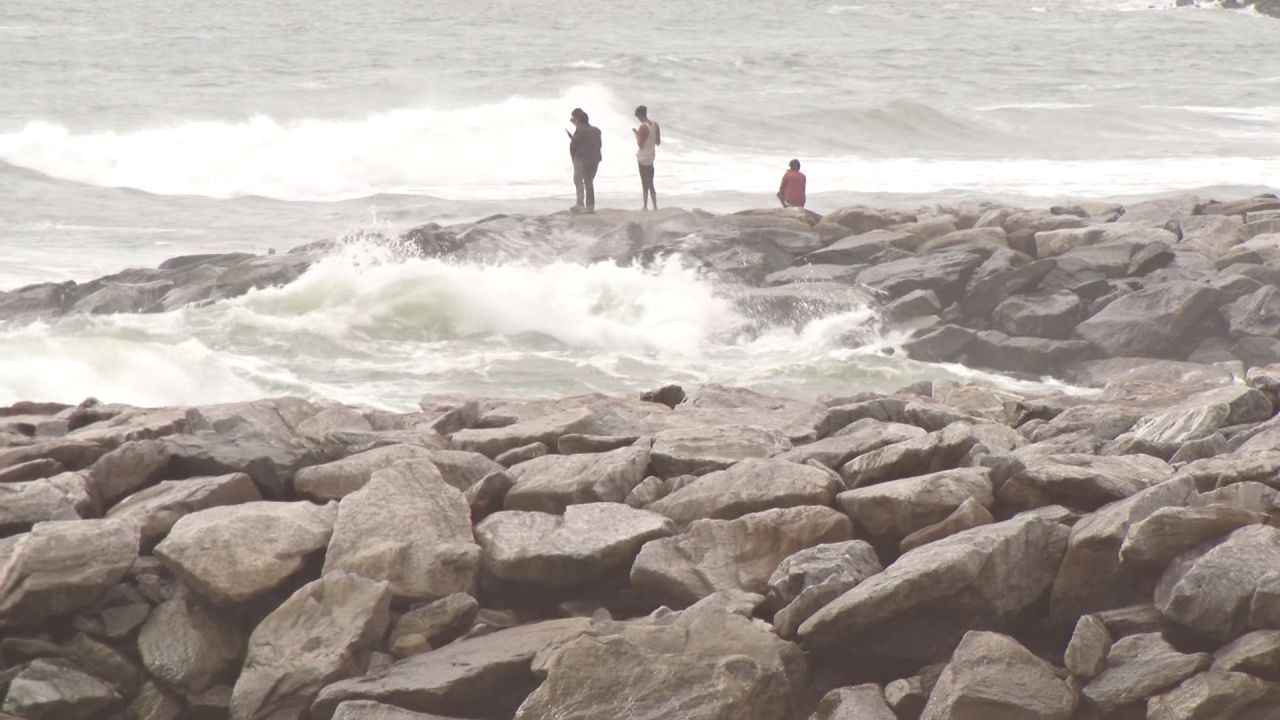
(939, 450)
(1208, 696)
(1138, 667)
(1086, 654)
(699, 450)
(484, 675)
(813, 577)
(1002, 275)
(547, 430)
(998, 351)
(1171, 531)
(870, 434)
(889, 511)
(407, 526)
(704, 661)
(62, 497)
(991, 675)
(920, 606)
(62, 567)
(917, 303)
(190, 648)
(1050, 315)
(1153, 322)
(323, 633)
(53, 690)
(590, 540)
(1210, 589)
(861, 702)
(1082, 481)
(155, 510)
(939, 344)
(335, 480)
(233, 554)
(943, 273)
(432, 625)
(859, 248)
(554, 482)
(748, 486)
(739, 554)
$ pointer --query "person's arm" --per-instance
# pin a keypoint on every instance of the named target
(642, 134)
(782, 190)
(657, 134)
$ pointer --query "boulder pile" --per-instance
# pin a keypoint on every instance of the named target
(1103, 550)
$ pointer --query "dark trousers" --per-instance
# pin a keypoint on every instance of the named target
(646, 177)
(584, 182)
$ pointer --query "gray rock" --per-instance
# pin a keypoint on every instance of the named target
(517, 455)
(52, 690)
(908, 696)
(155, 510)
(1171, 531)
(369, 710)
(1153, 322)
(1201, 414)
(851, 442)
(483, 675)
(1257, 653)
(104, 662)
(62, 497)
(748, 486)
(1058, 242)
(859, 248)
(188, 647)
(129, 468)
(421, 628)
(1082, 481)
(991, 675)
(1209, 589)
(1002, 275)
(589, 541)
(1264, 611)
(154, 703)
(700, 663)
(1138, 667)
(1086, 654)
(939, 450)
(335, 480)
(860, 702)
(818, 273)
(739, 554)
(573, 444)
(943, 273)
(62, 567)
(813, 577)
(993, 349)
(1049, 315)
(685, 451)
(889, 511)
(234, 554)
(1211, 235)
(1255, 314)
(1091, 577)
(547, 430)
(920, 606)
(31, 470)
(409, 527)
(969, 514)
(555, 482)
(917, 303)
(322, 634)
(1209, 696)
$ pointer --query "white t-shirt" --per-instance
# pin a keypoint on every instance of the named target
(649, 150)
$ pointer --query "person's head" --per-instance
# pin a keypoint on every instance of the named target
(794, 164)
(642, 113)
(578, 116)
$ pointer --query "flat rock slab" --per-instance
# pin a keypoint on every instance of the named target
(892, 510)
(1149, 323)
(1209, 696)
(409, 527)
(939, 450)
(689, 451)
(62, 567)
(1169, 532)
(849, 443)
(233, 554)
(1138, 667)
(739, 554)
(492, 442)
(470, 677)
(52, 689)
(61, 497)
(1211, 589)
(155, 510)
(1082, 481)
(921, 605)
(335, 480)
(748, 486)
(552, 483)
(588, 541)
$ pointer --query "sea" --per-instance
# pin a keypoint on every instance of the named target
(138, 130)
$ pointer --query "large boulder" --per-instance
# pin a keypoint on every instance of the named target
(813, 577)
(62, 567)
(1200, 415)
(480, 676)
(693, 450)
(370, 710)
(921, 605)
(939, 450)
(943, 273)
(409, 527)
(62, 497)
(860, 702)
(552, 483)
(547, 429)
(1050, 315)
(55, 690)
(888, 512)
(1211, 589)
(189, 647)
(155, 510)
(993, 676)
(701, 664)
(739, 554)
(1138, 667)
(587, 542)
(1002, 275)
(335, 480)
(237, 553)
(850, 442)
(1154, 322)
(1255, 314)
(1171, 531)
(323, 633)
(747, 486)
(998, 351)
(1081, 481)
(1209, 696)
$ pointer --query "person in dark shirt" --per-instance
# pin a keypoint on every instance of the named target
(584, 149)
(791, 191)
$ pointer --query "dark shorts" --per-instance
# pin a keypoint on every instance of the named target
(646, 177)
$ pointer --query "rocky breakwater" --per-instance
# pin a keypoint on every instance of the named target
(937, 551)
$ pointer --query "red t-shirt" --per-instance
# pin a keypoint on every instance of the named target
(793, 188)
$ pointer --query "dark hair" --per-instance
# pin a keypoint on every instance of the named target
(580, 114)
(794, 164)
(642, 111)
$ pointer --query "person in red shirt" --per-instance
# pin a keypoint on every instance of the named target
(791, 191)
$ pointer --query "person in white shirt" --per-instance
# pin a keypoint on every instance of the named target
(648, 138)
